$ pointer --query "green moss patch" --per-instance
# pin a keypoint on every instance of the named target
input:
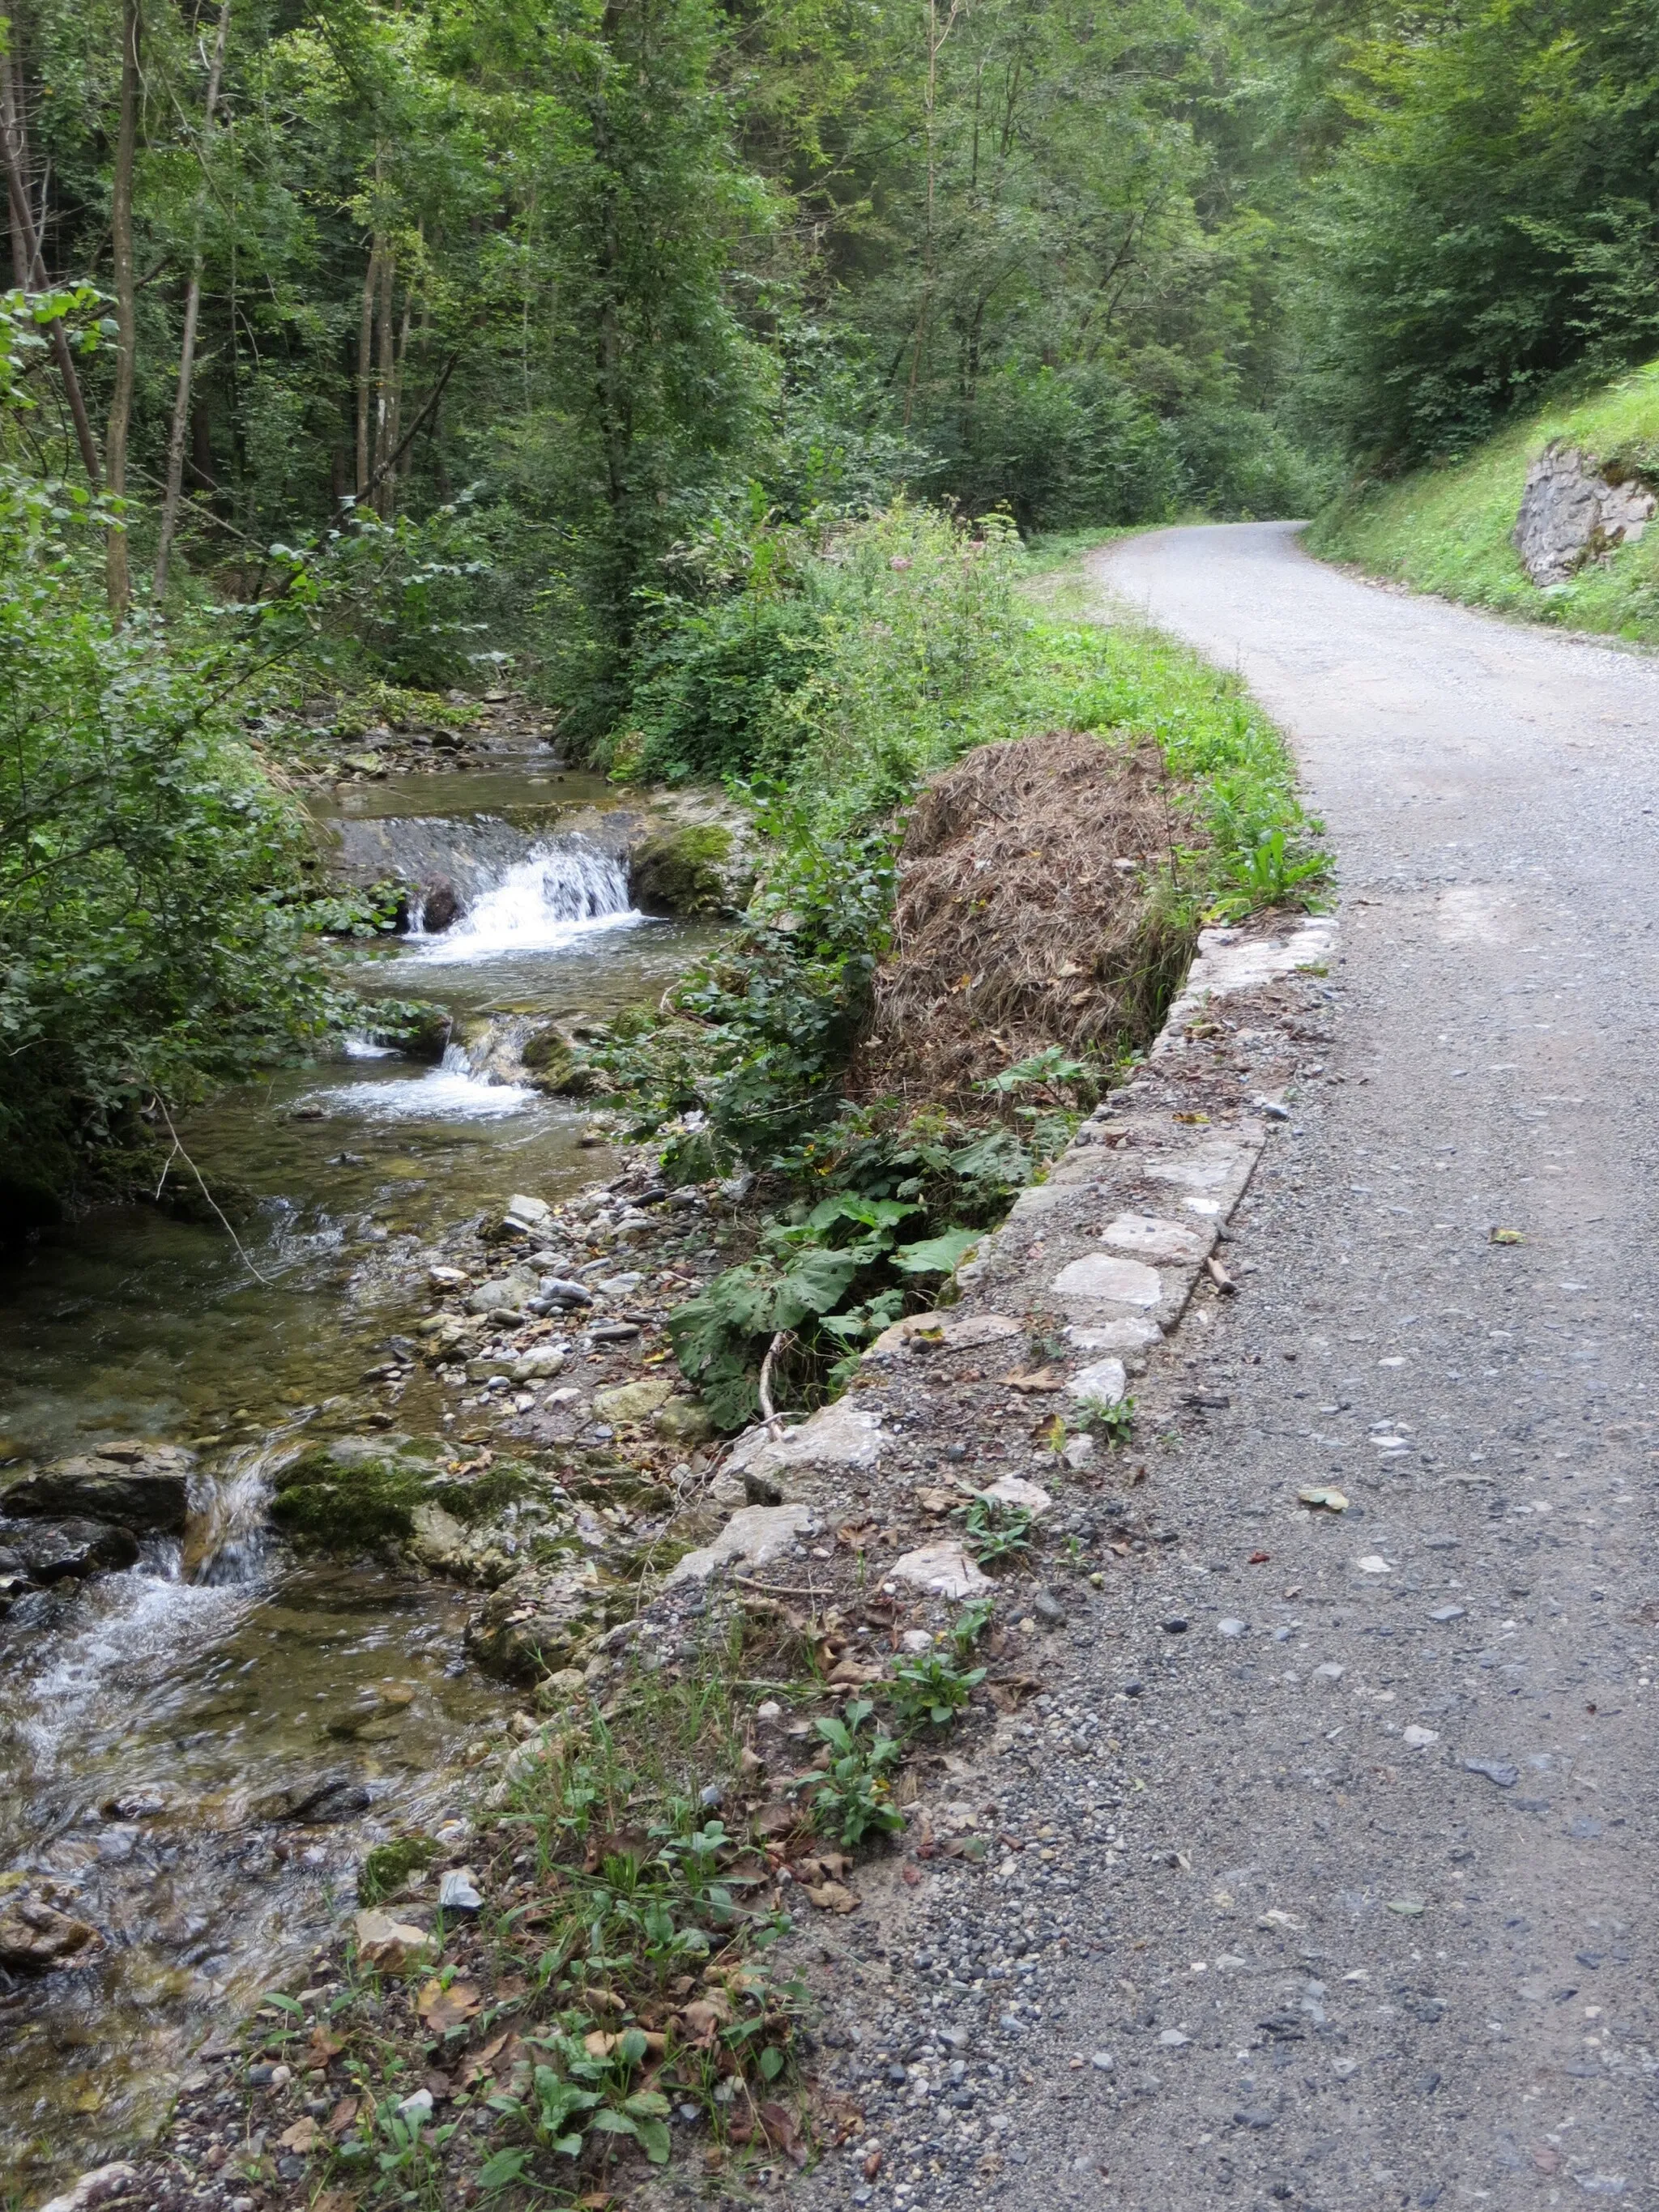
(687, 871)
(350, 1496)
(389, 1866)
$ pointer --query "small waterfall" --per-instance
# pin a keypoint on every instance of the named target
(228, 1536)
(557, 893)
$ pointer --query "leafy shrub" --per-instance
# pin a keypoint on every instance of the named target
(827, 1279)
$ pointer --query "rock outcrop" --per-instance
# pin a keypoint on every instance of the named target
(143, 1487)
(1571, 513)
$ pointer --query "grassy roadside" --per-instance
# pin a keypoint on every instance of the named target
(1447, 529)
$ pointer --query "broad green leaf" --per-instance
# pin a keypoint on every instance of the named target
(938, 1255)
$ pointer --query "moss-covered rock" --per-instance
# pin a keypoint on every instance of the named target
(389, 1866)
(691, 869)
(356, 1494)
(553, 1064)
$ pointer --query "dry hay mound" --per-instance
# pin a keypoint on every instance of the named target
(1033, 909)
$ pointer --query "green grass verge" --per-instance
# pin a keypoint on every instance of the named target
(1447, 529)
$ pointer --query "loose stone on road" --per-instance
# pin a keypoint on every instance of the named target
(1361, 1911)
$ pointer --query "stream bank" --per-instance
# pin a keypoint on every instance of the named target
(200, 1746)
(835, 1565)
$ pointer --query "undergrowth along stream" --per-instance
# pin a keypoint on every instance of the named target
(893, 1107)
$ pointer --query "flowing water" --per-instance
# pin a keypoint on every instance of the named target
(152, 1721)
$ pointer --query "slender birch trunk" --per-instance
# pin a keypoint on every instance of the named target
(30, 265)
(126, 310)
(179, 428)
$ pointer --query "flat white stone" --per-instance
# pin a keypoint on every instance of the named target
(752, 1538)
(1228, 962)
(1419, 1739)
(1373, 1563)
(936, 1332)
(1155, 1238)
(841, 1434)
(1210, 1169)
(1128, 1334)
(1039, 1198)
(943, 1570)
(1104, 1275)
(1012, 1490)
(1105, 1381)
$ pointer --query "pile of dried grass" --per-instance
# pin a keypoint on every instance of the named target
(1033, 909)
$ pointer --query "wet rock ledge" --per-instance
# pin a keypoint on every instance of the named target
(85, 1516)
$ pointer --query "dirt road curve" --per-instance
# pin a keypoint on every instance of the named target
(1373, 1923)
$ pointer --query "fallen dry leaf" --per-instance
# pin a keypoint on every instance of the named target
(833, 1897)
(872, 2165)
(304, 2135)
(781, 2132)
(704, 2018)
(323, 2046)
(599, 2044)
(443, 2009)
(1043, 1378)
(342, 2115)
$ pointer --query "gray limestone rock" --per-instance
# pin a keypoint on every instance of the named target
(1571, 513)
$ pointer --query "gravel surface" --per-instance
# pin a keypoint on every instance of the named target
(1316, 1875)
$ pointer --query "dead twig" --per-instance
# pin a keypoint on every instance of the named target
(178, 1152)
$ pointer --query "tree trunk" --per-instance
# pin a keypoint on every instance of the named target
(177, 430)
(365, 363)
(382, 359)
(388, 499)
(126, 316)
(30, 265)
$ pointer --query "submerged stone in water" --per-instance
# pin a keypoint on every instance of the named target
(35, 1936)
(67, 1551)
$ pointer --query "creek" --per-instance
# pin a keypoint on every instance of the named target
(156, 1725)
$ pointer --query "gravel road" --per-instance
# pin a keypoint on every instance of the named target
(1355, 1907)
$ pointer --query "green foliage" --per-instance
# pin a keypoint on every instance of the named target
(153, 900)
(971, 1622)
(931, 1687)
(996, 1531)
(1448, 529)
(1113, 1423)
(1488, 222)
(825, 1278)
(854, 1798)
(579, 2101)
(1272, 872)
